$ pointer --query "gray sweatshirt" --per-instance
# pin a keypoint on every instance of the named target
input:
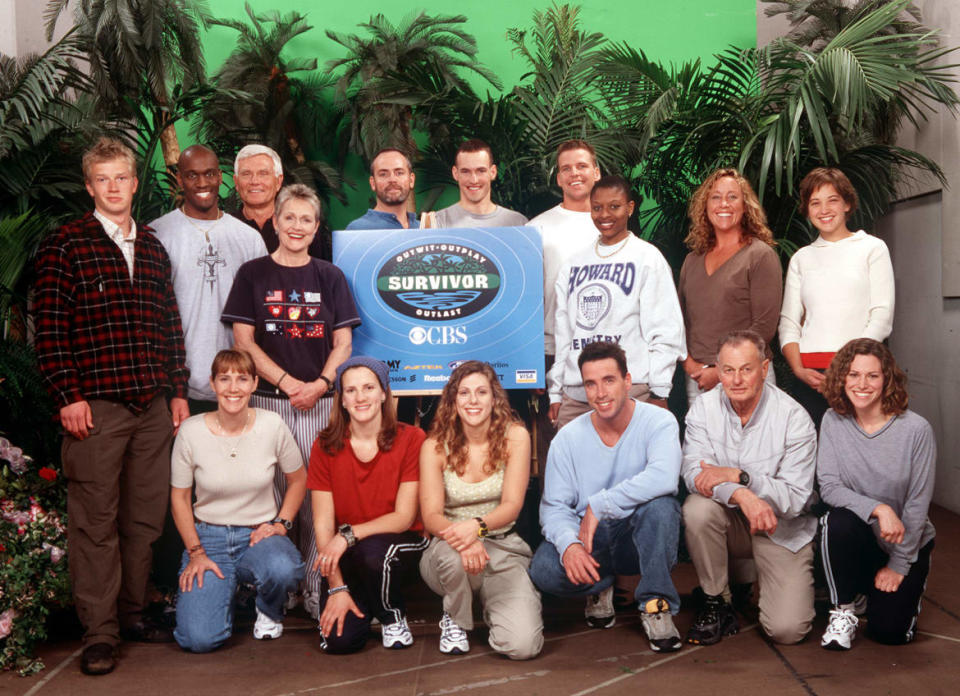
(895, 465)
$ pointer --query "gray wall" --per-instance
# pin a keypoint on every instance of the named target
(924, 238)
(21, 26)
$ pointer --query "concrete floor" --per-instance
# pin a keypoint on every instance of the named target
(575, 660)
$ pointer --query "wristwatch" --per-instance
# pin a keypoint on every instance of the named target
(327, 380)
(287, 524)
(346, 531)
(484, 530)
(744, 478)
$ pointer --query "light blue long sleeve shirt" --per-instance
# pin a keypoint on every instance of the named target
(777, 448)
(581, 470)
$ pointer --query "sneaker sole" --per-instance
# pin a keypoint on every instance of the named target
(672, 647)
(454, 651)
(398, 645)
(601, 621)
(834, 645)
(714, 640)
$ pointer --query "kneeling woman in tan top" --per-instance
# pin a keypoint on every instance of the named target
(474, 469)
(234, 532)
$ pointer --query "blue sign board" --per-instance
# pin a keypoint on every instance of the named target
(430, 299)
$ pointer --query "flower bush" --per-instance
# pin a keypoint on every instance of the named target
(33, 565)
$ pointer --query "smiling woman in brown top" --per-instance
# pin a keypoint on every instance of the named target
(731, 279)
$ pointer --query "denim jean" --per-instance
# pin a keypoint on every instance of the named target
(644, 543)
(273, 566)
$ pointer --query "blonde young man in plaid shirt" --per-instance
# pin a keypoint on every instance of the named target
(110, 346)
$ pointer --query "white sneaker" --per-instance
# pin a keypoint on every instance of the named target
(841, 630)
(397, 634)
(453, 639)
(265, 627)
(599, 610)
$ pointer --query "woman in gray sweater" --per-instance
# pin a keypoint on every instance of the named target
(875, 466)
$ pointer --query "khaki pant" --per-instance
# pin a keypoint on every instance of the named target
(715, 534)
(511, 604)
(571, 408)
(117, 491)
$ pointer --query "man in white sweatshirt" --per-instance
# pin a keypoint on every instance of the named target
(563, 228)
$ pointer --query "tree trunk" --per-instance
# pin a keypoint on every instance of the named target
(170, 145)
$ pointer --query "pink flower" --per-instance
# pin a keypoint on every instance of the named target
(56, 553)
(6, 622)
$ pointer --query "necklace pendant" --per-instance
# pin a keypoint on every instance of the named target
(233, 454)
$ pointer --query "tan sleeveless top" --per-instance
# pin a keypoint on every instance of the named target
(465, 500)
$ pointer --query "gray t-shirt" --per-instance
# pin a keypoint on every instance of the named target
(895, 465)
(204, 258)
(457, 216)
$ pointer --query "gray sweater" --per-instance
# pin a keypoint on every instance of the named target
(895, 465)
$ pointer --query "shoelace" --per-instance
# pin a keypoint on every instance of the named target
(841, 621)
(452, 629)
(396, 629)
(709, 615)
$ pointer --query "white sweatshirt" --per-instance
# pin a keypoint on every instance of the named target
(627, 297)
(837, 291)
(563, 232)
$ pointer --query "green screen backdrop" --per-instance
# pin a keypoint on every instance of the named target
(672, 31)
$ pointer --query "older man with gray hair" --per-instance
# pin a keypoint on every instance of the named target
(258, 177)
(749, 457)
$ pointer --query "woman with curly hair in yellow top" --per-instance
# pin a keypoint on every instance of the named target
(731, 279)
(474, 469)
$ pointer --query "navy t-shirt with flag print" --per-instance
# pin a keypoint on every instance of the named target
(294, 311)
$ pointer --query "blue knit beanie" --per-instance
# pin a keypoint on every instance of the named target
(378, 367)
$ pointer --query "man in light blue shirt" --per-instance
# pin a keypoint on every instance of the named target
(749, 456)
(391, 180)
(609, 504)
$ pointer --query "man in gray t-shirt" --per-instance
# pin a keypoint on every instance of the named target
(474, 171)
(206, 248)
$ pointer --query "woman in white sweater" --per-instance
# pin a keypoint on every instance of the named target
(837, 288)
(234, 532)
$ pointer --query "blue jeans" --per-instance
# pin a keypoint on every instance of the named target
(273, 566)
(644, 543)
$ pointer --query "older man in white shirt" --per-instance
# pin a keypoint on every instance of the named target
(749, 458)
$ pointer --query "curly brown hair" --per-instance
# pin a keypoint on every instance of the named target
(448, 433)
(333, 438)
(894, 400)
(701, 237)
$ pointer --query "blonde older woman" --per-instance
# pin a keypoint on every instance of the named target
(295, 315)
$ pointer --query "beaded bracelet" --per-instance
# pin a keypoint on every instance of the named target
(338, 588)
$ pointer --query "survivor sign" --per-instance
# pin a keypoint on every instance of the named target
(430, 299)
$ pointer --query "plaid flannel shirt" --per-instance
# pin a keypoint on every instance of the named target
(99, 335)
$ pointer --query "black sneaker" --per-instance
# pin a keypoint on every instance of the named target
(713, 622)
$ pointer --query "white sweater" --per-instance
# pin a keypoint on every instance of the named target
(837, 291)
(627, 297)
(563, 232)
